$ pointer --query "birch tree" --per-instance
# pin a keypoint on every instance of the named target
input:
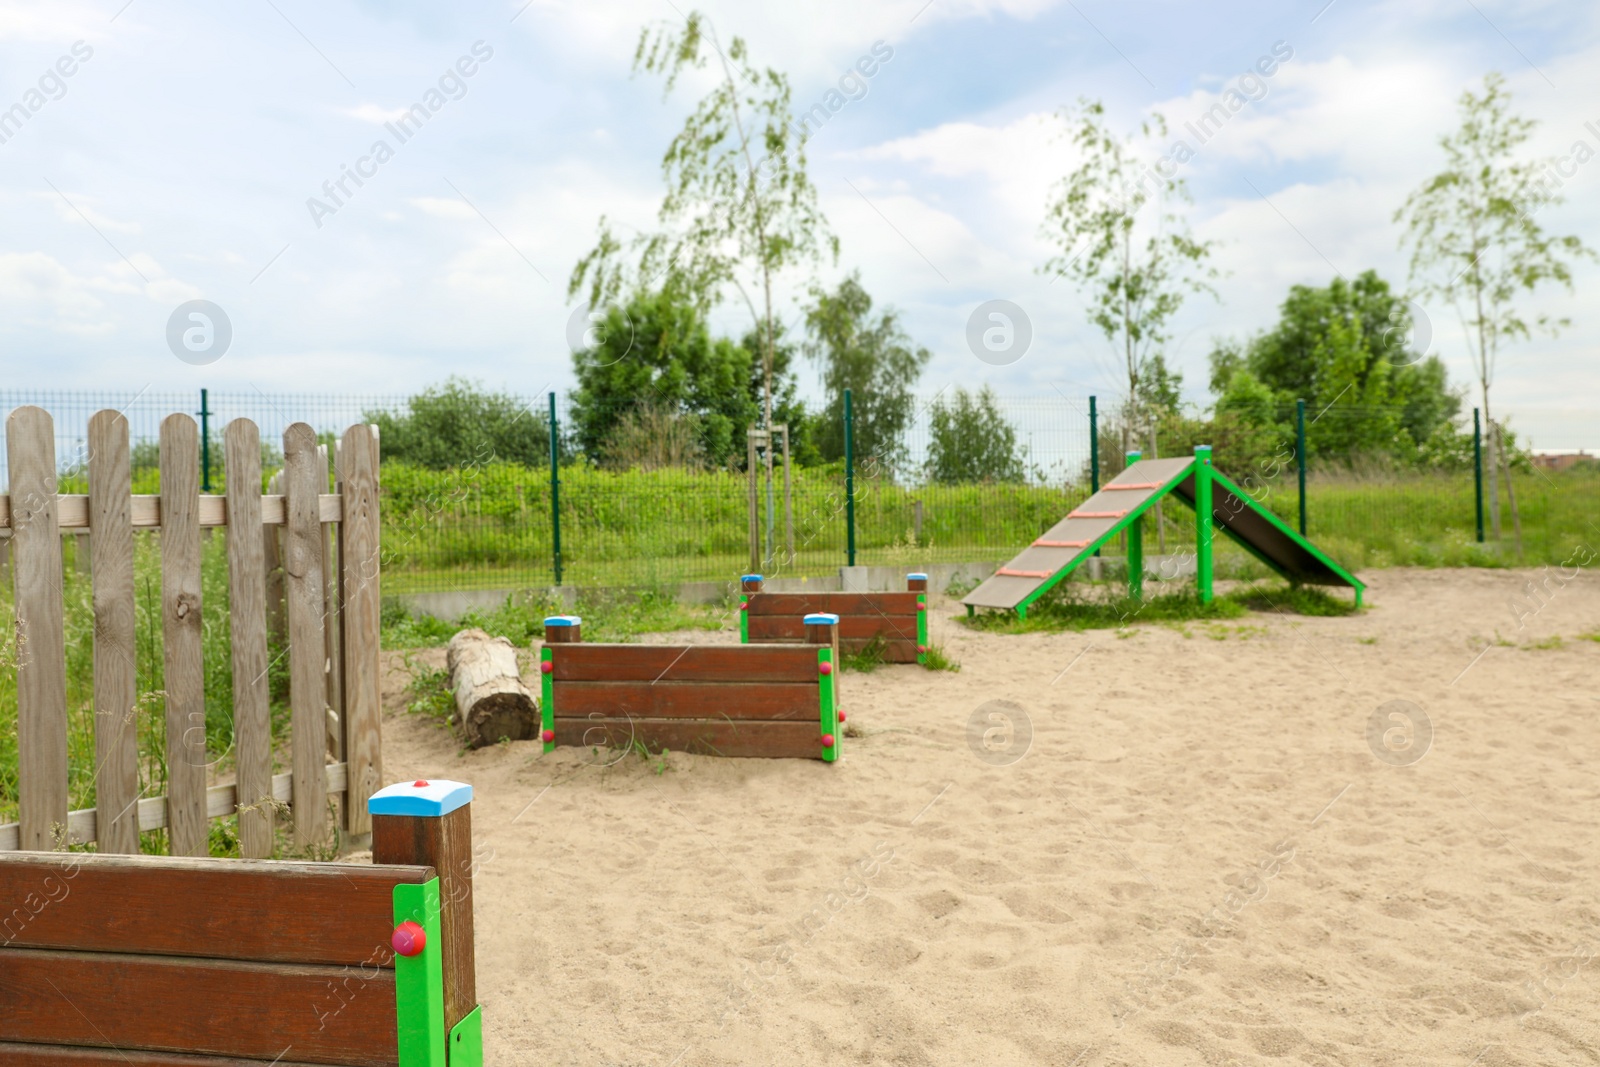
(1475, 243)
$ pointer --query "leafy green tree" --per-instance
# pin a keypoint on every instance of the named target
(1341, 349)
(972, 441)
(1137, 267)
(740, 210)
(876, 360)
(1475, 243)
(459, 424)
(654, 360)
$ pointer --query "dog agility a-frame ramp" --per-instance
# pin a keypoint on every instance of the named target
(1120, 506)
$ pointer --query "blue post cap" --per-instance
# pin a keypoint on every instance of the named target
(917, 576)
(423, 797)
(563, 620)
(750, 578)
(1201, 448)
(822, 618)
(1134, 456)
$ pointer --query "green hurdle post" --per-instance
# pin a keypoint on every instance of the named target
(429, 824)
(822, 628)
(749, 584)
(917, 582)
(558, 630)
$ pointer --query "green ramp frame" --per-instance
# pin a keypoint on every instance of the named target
(1196, 485)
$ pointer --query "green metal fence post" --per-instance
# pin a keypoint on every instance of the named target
(1135, 546)
(555, 491)
(1202, 521)
(1094, 452)
(849, 479)
(1477, 468)
(1300, 457)
(205, 444)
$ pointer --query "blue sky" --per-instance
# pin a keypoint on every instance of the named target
(177, 162)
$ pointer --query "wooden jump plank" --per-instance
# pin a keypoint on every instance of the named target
(358, 554)
(894, 650)
(247, 627)
(73, 510)
(688, 700)
(327, 1015)
(116, 697)
(851, 627)
(302, 566)
(841, 604)
(39, 640)
(19, 1055)
(684, 663)
(254, 910)
(220, 800)
(781, 740)
(183, 656)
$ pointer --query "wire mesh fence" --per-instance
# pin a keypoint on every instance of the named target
(648, 497)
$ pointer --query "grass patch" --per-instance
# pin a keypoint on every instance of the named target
(866, 659)
(607, 616)
(1593, 635)
(1546, 643)
(429, 693)
(936, 659)
(1068, 608)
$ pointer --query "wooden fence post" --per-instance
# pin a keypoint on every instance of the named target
(40, 638)
(333, 647)
(116, 697)
(188, 830)
(360, 621)
(429, 823)
(558, 630)
(247, 626)
(303, 588)
(272, 566)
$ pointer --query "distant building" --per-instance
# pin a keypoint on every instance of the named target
(1561, 461)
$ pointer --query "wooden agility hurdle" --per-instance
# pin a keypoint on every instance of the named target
(725, 700)
(155, 961)
(899, 620)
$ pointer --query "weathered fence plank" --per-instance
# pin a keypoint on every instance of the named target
(327, 541)
(184, 658)
(116, 696)
(40, 640)
(272, 563)
(302, 566)
(252, 717)
(358, 556)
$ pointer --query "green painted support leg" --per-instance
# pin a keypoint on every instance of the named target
(547, 702)
(1204, 521)
(419, 979)
(1136, 559)
(828, 699)
(922, 628)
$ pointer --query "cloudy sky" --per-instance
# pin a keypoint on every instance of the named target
(176, 162)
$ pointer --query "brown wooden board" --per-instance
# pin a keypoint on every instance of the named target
(784, 740)
(116, 697)
(230, 909)
(445, 845)
(798, 604)
(183, 656)
(326, 1015)
(37, 597)
(13, 1054)
(680, 663)
(689, 700)
(851, 627)
(303, 590)
(359, 585)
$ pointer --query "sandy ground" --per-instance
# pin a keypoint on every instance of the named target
(1197, 858)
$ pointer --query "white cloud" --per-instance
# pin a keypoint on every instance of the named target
(376, 115)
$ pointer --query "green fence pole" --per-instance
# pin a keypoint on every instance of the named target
(555, 491)
(1202, 521)
(1300, 457)
(1477, 469)
(849, 479)
(205, 445)
(1094, 452)
(1135, 546)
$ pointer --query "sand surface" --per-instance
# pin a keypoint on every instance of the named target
(1196, 859)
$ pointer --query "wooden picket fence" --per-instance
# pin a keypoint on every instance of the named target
(329, 612)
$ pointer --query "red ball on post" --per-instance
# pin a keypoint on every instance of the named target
(841, 716)
(824, 668)
(409, 939)
(547, 667)
(827, 740)
(547, 736)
